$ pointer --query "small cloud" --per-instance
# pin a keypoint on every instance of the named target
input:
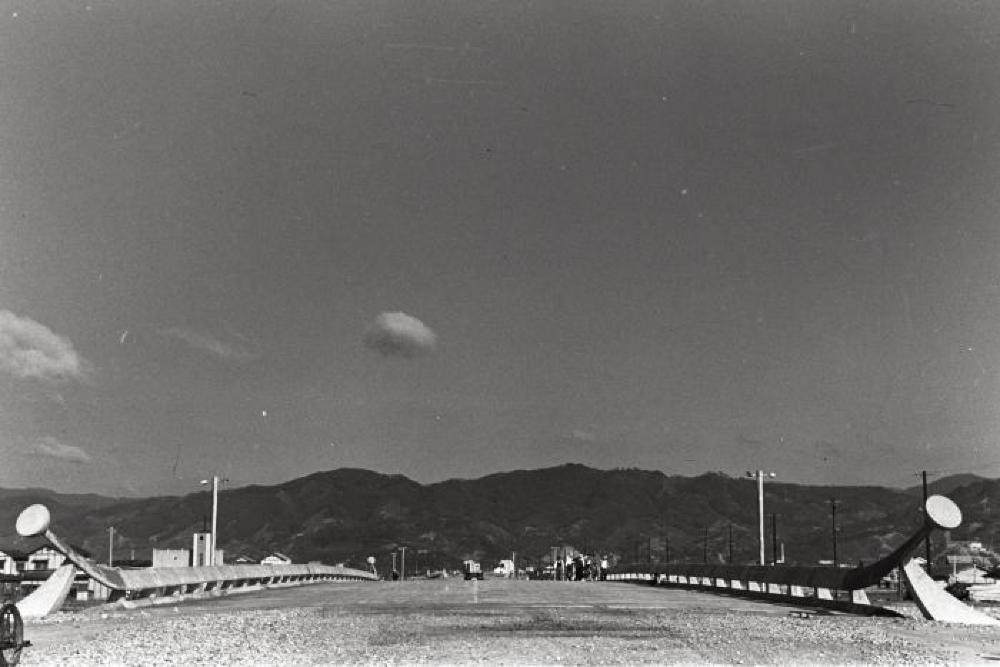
(208, 343)
(400, 335)
(29, 349)
(584, 436)
(52, 448)
(748, 442)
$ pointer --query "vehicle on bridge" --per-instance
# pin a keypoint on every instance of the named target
(472, 570)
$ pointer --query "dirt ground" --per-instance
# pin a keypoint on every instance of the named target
(494, 621)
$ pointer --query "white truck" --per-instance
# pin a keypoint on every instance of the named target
(472, 570)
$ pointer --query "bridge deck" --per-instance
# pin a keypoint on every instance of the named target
(497, 620)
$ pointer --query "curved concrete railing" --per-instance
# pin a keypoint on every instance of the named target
(819, 586)
(806, 586)
(174, 583)
(50, 595)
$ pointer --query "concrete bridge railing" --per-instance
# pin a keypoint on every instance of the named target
(827, 587)
(165, 584)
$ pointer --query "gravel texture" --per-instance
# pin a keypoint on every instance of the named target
(495, 621)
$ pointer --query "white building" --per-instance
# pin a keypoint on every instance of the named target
(9, 560)
(276, 558)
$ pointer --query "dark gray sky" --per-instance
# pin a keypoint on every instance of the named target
(682, 236)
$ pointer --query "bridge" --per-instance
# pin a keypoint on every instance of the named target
(812, 587)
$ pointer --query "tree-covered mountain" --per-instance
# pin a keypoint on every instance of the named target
(346, 515)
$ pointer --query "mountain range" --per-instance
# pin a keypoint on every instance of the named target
(345, 515)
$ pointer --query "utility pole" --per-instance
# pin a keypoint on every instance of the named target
(730, 542)
(927, 539)
(393, 562)
(833, 528)
(760, 474)
(666, 544)
(111, 546)
(704, 554)
(774, 539)
(402, 567)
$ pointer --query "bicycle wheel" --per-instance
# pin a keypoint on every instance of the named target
(11, 635)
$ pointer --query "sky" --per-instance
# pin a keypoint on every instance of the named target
(259, 239)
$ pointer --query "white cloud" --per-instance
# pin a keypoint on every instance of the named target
(32, 350)
(52, 448)
(585, 436)
(400, 335)
(208, 343)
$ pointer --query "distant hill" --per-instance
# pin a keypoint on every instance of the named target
(346, 515)
(946, 485)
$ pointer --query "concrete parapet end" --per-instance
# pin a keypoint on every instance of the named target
(50, 596)
(937, 604)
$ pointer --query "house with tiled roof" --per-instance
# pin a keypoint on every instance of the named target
(12, 561)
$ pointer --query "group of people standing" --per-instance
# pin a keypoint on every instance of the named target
(582, 568)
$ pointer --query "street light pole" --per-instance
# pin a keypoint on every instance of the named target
(215, 516)
(760, 474)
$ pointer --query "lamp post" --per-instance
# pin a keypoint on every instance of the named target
(760, 474)
(215, 515)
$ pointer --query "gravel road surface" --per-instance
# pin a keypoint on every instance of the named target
(494, 621)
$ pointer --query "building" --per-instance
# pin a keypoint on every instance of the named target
(200, 550)
(39, 564)
(12, 561)
(171, 558)
(47, 558)
(276, 558)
